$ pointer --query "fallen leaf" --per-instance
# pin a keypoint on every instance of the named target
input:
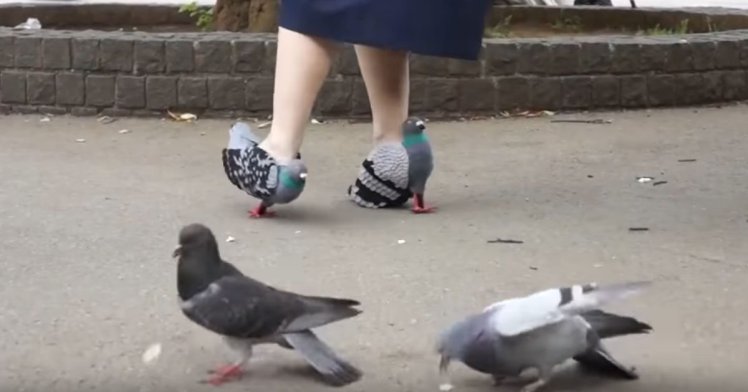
(265, 124)
(106, 120)
(184, 117)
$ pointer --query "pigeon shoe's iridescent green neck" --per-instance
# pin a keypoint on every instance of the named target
(413, 139)
(288, 181)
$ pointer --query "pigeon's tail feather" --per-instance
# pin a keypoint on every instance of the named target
(581, 298)
(241, 136)
(329, 301)
(323, 359)
(608, 325)
(322, 310)
(600, 360)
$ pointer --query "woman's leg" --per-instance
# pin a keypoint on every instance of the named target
(302, 64)
(386, 75)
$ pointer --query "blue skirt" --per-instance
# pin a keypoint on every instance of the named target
(443, 28)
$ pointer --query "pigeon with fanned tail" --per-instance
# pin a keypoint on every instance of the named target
(394, 172)
(245, 312)
(540, 331)
(254, 171)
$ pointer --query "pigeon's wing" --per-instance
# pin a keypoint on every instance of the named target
(241, 307)
(383, 179)
(231, 166)
(520, 315)
(388, 162)
(252, 170)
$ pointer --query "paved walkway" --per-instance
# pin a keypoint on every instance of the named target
(88, 228)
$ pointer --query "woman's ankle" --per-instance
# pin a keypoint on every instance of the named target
(281, 152)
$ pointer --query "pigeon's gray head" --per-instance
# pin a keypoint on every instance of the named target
(292, 179)
(413, 126)
(195, 238)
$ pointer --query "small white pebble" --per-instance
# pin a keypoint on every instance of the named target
(446, 387)
(317, 122)
(230, 239)
(644, 179)
(152, 353)
(123, 131)
(400, 242)
(297, 232)
(265, 124)
(45, 119)
(80, 140)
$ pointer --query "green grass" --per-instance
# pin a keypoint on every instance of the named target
(500, 30)
(567, 24)
(659, 30)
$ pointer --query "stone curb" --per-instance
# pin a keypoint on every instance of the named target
(231, 74)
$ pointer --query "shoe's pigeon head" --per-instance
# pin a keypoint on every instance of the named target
(413, 126)
(414, 137)
(292, 180)
(195, 237)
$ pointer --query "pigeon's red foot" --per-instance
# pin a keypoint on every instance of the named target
(419, 207)
(261, 212)
(225, 374)
(423, 210)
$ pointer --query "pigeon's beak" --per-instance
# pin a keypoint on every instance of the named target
(303, 175)
(177, 251)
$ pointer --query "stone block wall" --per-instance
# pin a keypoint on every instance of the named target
(230, 74)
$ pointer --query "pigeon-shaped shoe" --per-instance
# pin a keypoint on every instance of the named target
(393, 172)
(254, 171)
(245, 312)
(540, 331)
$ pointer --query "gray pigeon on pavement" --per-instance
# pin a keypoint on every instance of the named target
(245, 312)
(393, 172)
(540, 331)
(254, 171)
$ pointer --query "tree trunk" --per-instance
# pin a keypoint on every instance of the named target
(260, 16)
(263, 16)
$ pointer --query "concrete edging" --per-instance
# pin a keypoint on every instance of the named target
(231, 74)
